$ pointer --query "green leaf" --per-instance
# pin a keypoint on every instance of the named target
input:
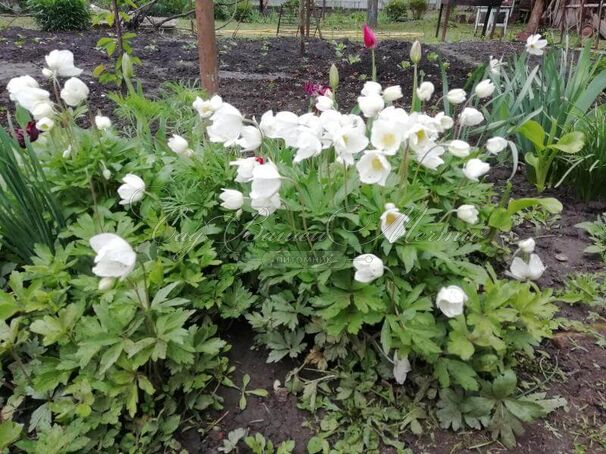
(504, 385)
(534, 132)
(459, 344)
(9, 433)
(8, 306)
(570, 143)
(500, 219)
(317, 444)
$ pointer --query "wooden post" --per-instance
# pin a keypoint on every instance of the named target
(372, 12)
(535, 17)
(207, 46)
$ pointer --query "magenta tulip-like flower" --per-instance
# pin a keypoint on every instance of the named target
(370, 39)
(313, 89)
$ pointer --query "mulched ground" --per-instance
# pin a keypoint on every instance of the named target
(258, 75)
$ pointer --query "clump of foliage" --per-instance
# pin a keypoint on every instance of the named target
(61, 15)
(396, 10)
(541, 105)
(244, 11)
(117, 363)
(586, 170)
(418, 8)
(369, 264)
(597, 232)
(333, 280)
(29, 213)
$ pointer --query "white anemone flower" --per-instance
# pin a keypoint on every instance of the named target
(74, 92)
(495, 65)
(496, 144)
(386, 136)
(525, 271)
(373, 168)
(45, 124)
(324, 103)
(33, 99)
(43, 109)
(430, 156)
(485, 89)
(349, 141)
(527, 245)
(393, 93)
(268, 125)
(232, 199)
(456, 96)
(266, 181)
(425, 91)
(371, 105)
(250, 138)
(468, 213)
(207, 107)
(475, 168)
(227, 124)
(443, 122)
(459, 148)
(179, 145)
(102, 123)
(115, 257)
(245, 168)
(535, 45)
(60, 63)
(393, 223)
(451, 300)
(470, 117)
(132, 191)
(368, 268)
(371, 88)
(401, 368)
(19, 83)
(308, 145)
(265, 206)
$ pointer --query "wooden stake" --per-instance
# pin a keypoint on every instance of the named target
(207, 46)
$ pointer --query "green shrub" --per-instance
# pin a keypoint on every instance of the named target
(418, 8)
(244, 12)
(222, 11)
(61, 15)
(396, 10)
(587, 169)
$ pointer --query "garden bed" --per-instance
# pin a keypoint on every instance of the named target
(255, 75)
(267, 74)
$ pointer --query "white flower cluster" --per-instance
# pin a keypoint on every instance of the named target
(26, 92)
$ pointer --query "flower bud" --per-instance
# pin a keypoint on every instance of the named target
(107, 174)
(106, 283)
(415, 52)
(333, 77)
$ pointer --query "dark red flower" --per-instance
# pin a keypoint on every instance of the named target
(313, 89)
(32, 132)
(260, 160)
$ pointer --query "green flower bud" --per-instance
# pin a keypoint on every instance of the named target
(415, 52)
(333, 77)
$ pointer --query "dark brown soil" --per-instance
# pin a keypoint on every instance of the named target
(257, 75)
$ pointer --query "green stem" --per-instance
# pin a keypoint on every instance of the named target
(374, 66)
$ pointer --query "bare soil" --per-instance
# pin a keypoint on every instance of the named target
(258, 75)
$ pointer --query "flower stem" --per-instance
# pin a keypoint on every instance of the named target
(374, 66)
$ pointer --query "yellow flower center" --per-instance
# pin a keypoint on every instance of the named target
(390, 218)
(389, 140)
(377, 164)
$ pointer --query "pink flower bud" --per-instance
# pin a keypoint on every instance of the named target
(370, 39)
